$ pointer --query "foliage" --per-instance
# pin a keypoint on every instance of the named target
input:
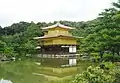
(117, 76)
(109, 65)
(94, 75)
(21, 42)
(110, 57)
(99, 35)
(104, 33)
(2, 46)
(15, 28)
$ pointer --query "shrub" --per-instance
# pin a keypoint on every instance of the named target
(94, 75)
(110, 57)
(117, 76)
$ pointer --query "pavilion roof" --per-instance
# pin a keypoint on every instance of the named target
(45, 37)
(57, 25)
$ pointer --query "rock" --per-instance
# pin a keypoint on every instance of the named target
(37, 63)
(5, 81)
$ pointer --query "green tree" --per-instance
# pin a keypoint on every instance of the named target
(105, 35)
(2, 47)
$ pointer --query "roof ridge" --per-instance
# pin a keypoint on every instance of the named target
(58, 24)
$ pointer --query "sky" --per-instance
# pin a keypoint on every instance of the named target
(14, 11)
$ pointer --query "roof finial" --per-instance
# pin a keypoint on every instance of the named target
(58, 23)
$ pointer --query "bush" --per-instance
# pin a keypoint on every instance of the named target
(108, 65)
(94, 75)
(110, 57)
(117, 76)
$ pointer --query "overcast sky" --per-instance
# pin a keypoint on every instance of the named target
(13, 11)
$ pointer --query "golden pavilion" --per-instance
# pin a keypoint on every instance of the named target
(58, 42)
